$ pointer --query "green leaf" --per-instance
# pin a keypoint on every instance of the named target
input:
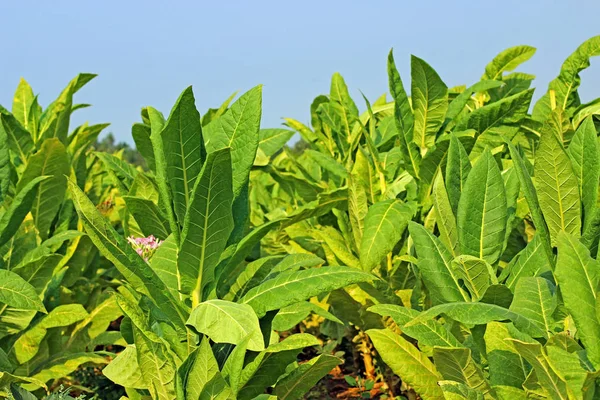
(16, 292)
(164, 263)
(28, 344)
(507, 61)
(197, 370)
(428, 333)
(434, 261)
(327, 163)
(458, 167)
(531, 261)
(557, 188)
(290, 316)
(124, 369)
(227, 322)
(506, 365)
(535, 300)
(482, 213)
(141, 137)
(530, 194)
(456, 364)
(508, 111)
(124, 172)
(459, 391)
(444, 216)
(216, 389)
(291, 287)
(22, 102)
(11, 220)
(182, 146)
(156, 364)
(429, 97)
(404, 118)
(384, 226)
(208, 224)
(479, 314)
(270, 141)
(50, 161)
(578, 276)
(118, 251)
(412, 366)
(554, 384)
(301, 379)
(565, 85)
(357, 207)
(461, 101)
(166, 196)
(264, 370)
(238, 129)
(232, 370)
(19, 140)
(148, 217)
(477, 275)
(584, 151)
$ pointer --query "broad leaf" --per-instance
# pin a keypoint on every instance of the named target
(482, 213)
(227, 322)
(384, 226)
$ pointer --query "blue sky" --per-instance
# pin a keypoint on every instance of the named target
(147, 52)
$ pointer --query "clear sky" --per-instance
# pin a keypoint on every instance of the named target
(147, 52)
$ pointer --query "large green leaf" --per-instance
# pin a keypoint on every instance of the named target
(384, 226)
(148, 217)
(578, 276)
(117, 250)
(28, 344)
(412, 366)
(565, 85)
(272, 140)
(429, 333)
(456, 364)
(445, 220)
(429, 97)
(51, 161)
(19, 140)
(482, 212)
(238, 129)
(227, 322)
(208, 224)
(458, 167)
(479, 314)
(11, 220)
(124, 369)
(435, 265)
(557, 188)
(507, 61)
(141, 137)
(531, 196)
(476, 274)
(157, 122)
(182, 146)
(584, 153)
(156, 364)
(198, 369)
(508, 111)
(505, 364)
(534, 299)
(301, 379)
(292, 287)
(551, 382)
(16, 292)
(531, 261)
(404, 118)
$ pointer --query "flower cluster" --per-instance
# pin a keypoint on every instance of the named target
(145, 246)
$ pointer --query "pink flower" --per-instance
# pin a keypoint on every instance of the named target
(144, 246)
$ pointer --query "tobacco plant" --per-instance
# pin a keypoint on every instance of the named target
(53, 285)
(198, 315)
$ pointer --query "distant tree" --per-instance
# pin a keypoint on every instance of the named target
(109, 145)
